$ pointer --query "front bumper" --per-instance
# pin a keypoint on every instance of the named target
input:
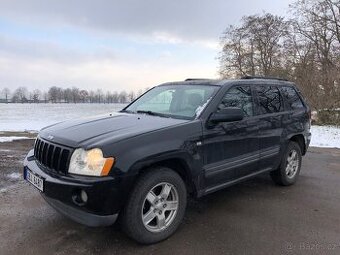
(82, 217)
(106, 195)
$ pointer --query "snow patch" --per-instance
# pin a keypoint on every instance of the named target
(14, 176)
(6, 139)
(4, 150)
(325, 136)
(3, 190)
(200, 108)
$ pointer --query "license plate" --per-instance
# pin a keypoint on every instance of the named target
(35, 180)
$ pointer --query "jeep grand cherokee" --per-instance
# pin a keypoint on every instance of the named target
(192, 137)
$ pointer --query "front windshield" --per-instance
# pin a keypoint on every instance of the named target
(176, 101)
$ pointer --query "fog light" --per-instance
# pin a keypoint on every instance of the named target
(83, 196)
(79, 197)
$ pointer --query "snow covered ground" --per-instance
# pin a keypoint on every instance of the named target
(325, 136)
(4, 139)
(33, 117)
(14, 176)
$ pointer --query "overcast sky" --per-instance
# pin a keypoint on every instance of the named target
(115, 45)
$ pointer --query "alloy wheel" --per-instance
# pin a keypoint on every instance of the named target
(160, 207)
(292, 165)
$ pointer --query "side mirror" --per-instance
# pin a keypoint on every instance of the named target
(226, 115)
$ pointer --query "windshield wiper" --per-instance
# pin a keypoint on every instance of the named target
(147, 112)
(152, 113)
(128, 111)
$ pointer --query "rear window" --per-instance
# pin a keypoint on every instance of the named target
(292, 98)
(269, 99)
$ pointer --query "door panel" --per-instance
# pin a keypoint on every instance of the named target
(270, 133)
(231, 149)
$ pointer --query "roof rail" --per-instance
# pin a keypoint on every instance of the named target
(263, 77)
(196, 79)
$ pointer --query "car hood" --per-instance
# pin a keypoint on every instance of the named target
(99, 130)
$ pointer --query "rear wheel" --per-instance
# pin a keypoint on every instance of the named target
(290, 166)
(156, 206)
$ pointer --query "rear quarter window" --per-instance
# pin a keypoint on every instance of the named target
(291, 97)
(269, 99)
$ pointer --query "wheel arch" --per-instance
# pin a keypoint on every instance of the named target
(177, 163)
(300, 140)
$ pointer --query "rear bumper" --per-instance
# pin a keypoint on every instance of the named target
(308, 138)
(105, 195)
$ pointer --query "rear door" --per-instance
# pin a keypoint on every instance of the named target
(296, 117)
(231, 149)
(270, 110)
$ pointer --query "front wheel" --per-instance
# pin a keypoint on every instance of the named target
(290, 166)
(155, 207)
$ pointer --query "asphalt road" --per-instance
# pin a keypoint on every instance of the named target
(255, 217)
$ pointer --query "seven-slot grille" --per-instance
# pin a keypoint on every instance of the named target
(53, 156)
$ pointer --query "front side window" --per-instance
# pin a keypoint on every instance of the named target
(239, 97)
(176, 101)
(291, 97)
(269, 99)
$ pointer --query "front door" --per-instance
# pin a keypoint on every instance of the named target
(231, 149)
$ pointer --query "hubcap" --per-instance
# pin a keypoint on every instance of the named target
(160, 207)
(292, 164)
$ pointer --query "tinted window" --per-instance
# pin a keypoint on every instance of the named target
(269, 99)
(239, 97)
(291, 97)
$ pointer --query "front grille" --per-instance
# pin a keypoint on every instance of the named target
(52, 156)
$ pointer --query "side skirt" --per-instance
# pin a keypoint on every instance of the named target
(230, 183)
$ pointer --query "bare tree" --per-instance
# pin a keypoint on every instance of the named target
(45, 96)
(317, 23)
(99, 95)
(83, 95)
(131, 96)
(20, 95)
(330, 13)
(75, 95)
(139, 93)
(6, 93)
(122, 97)
(36, 95)
(67, 95)
(305, 49)
(55, 94)
(109, 97)
(255, 47)
(92, 96)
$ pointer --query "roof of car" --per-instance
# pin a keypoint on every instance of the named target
(227, 82)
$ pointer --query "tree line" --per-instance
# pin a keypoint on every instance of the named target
(304, 48)
(67, 95)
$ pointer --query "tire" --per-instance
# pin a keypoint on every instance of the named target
(160, 214)
(289, 169)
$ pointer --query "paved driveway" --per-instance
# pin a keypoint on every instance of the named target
(255, 217)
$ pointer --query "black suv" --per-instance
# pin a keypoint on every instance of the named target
(192, 137)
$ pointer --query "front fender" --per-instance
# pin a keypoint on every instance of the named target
(179, 143)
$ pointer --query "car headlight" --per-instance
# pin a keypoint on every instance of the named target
(91, 162)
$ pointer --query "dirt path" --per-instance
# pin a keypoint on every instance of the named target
(11, 157)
